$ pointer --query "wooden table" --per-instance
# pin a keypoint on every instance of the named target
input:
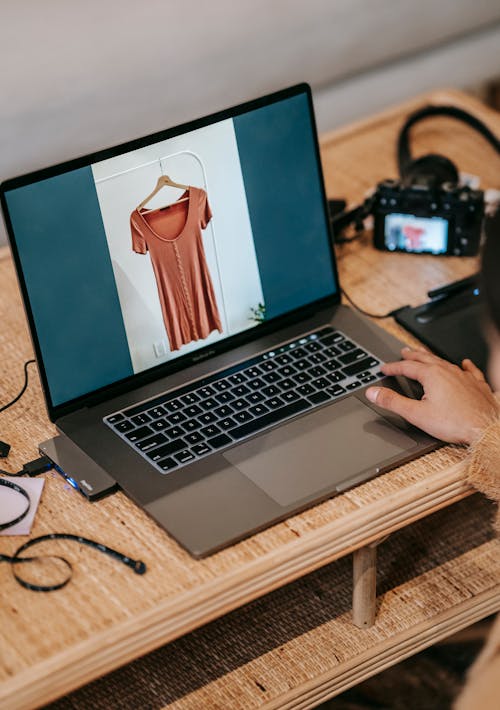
(53, 643)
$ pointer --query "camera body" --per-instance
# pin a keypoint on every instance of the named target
(425, 217)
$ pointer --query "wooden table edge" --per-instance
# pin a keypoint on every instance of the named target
(123, 642)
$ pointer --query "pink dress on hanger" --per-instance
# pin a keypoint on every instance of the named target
(172, 235)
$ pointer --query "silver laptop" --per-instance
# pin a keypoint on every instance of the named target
(184, 304)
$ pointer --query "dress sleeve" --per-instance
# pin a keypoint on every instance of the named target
(138, 242)
(205, 211)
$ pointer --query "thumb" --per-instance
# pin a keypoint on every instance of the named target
(394, 402)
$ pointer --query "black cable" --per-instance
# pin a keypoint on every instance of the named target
(23, 390)
(366, 313)
(138, 566)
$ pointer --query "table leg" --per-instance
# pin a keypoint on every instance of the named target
(364, 591)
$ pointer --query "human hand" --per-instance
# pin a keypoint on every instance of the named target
(457, 404)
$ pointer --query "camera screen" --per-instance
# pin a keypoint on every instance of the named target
(406, 232)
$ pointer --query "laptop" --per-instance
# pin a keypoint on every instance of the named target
(183, 299)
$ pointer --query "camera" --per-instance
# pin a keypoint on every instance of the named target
(422, 215)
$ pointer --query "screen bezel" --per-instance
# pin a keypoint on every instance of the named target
(213, 349)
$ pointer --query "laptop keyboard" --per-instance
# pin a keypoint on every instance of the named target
(189, 423)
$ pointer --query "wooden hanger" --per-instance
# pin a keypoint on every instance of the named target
(163, 181)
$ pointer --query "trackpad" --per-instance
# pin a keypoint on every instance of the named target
(315, 453)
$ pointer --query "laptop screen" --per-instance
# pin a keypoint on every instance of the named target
(137, 256)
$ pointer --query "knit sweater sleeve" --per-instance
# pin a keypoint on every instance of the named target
(482, 688)
(484, 465)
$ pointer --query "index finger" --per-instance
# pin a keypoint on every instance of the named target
(409, 368)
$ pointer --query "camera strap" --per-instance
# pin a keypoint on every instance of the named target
(403, 147)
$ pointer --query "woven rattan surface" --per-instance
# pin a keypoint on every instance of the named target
(108, 616)
(287, 639)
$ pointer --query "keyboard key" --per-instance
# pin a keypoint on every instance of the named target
(140, 433)
(284, 359)
(193, 410)
(173, 405)
(201, 449)
(332, 351)
(210, 430)
(207, 418)
(253, 372)
(356, 367)
(298, 353)
(271, 391)
(115, 418)
(176, 418)
(184, 456)
(141, 419)
(317, 371)
(167, 464)
(190, 398)
(239, 404)
(191, 425)
(221, 385)
(226, 423)
(221, 440)
(303, 364)
(255, 397)
(305, 390)
(352, 356)
(258, 410)
(369, 378)
(224, 397)
(206, 391)
(237, 379)
(312, 347)
(156, 412)
(151, 442)
(317, 358)
(301, 378)
(319, 397)
(274, 402)
(353, 385)
(124, 426)
(166, 450)
(286, 384)
(332, 338)
(242, 417)
(321, 383)
(270, 418)
(224, 411)
(336, 376)
(241, 390)
(194, 437)
(159, 424)
(256, 384)
(271, 377)
(269, 365)
(331, 365)
(174, 432)
(289, 396)
(209, 403)
(347, 345)
(336, 390)
(287, 371)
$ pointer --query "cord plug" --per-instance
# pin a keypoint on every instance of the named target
(4, 449)
(40, 465)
